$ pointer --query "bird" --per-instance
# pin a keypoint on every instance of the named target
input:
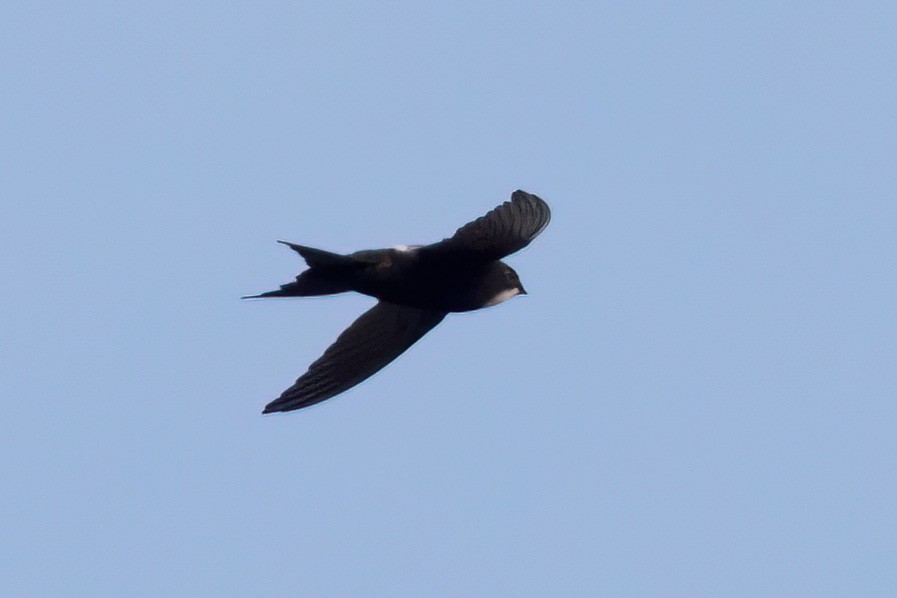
(416, 287)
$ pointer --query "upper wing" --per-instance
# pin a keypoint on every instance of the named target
(372, 341)
(508, 228)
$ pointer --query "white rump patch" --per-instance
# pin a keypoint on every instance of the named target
(503, 296)
(405, 248)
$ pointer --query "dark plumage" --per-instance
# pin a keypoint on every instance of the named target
(416, 287)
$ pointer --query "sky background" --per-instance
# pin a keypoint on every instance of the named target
(697, 398)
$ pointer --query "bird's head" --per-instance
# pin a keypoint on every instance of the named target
(505, 284)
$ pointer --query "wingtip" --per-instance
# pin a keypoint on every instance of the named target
(520, 193)
(537, 202)
(275, 406)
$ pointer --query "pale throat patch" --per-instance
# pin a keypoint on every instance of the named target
(503, 296)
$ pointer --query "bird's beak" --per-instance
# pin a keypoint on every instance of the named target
(522, 290)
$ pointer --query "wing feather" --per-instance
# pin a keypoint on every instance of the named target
(505, 230)
(374, 340)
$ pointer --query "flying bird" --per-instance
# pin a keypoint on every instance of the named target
(417, 286)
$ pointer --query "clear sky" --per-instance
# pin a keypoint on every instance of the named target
(697, 398)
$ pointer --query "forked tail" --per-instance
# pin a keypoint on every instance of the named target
(328, 274)
(318, 257)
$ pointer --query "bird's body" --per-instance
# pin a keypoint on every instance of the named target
(416, 277)
(416, 287)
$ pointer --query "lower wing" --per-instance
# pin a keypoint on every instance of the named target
(372, 341)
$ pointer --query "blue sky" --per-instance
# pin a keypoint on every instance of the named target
(697, 398)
